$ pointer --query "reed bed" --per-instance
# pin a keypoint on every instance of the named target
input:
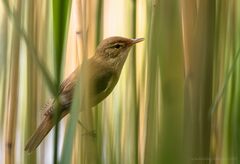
(177, 100)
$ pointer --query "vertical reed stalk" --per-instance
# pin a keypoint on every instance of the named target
(152, 136)
(33, 80)
(219, 69)
(99, 21)
(61, 11)
(88, 147)
(133, 84)
(4, 34)
(236, 88)
(12, 97)
(165, 85)
(98, 109)
(80, 100)
(198, 22)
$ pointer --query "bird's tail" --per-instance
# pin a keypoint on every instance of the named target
(43, 129)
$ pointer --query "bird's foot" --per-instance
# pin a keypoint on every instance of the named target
(91, 133)
(88, 132)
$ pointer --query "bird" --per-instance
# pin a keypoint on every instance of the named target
(103, 72)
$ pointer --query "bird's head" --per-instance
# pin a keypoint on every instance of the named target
(114, 50)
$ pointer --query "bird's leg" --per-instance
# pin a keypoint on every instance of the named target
(88, 132)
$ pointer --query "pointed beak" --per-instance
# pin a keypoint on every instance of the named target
(137, 40)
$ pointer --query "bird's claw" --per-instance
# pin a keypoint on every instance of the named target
(88, 132)
(91, 133)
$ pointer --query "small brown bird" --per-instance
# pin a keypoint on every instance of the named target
(104, 69)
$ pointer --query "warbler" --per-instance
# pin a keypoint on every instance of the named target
(103, 71)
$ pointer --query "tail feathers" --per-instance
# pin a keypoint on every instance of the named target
(39, 134)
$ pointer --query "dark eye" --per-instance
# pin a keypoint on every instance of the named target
(117, 46)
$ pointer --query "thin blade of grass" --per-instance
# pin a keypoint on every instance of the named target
(78, 102)
(223, 88)
(61, 12)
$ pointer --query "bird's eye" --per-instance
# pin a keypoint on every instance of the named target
(117, 46)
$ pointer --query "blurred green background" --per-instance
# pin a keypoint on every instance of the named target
(178, 98)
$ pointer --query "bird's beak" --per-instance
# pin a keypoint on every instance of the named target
(137, 40)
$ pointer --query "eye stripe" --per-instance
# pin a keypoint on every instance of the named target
(117, 45)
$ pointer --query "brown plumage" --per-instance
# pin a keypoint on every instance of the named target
(104, 69)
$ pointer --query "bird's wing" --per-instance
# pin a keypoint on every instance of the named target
(102, 81)
(67, 87)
